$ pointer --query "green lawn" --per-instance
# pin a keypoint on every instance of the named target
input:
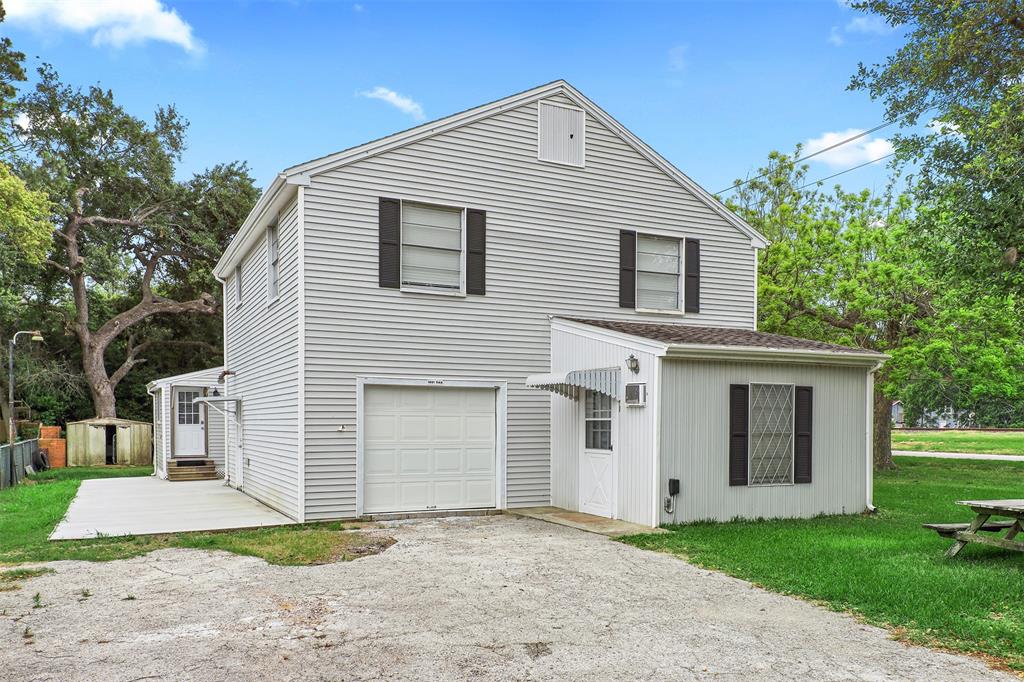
(986, 442)
(29, 512)
(885, 567)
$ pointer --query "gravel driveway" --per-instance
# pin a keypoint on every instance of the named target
(487, 598)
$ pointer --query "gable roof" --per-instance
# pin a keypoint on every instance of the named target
(685, 338)
(282, 188)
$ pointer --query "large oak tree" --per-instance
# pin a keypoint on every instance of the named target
(126, 233)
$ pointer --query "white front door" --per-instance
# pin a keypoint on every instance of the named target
(189, 435)
(428, 447)
(597, 475)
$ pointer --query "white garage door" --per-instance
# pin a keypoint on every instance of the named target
(428, 447)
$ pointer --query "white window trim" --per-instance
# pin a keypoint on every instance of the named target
(680, 290)
(501, 425)
(583, 154)
(432, 291)
(273, 272)
(239, 290)
(792, 439)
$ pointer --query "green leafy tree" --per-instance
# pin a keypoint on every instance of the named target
(959, 71)
(839, 268)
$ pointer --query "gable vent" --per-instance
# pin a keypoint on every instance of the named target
(561, 134)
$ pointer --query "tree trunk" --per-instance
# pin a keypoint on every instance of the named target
(101, 389)
(882, 445)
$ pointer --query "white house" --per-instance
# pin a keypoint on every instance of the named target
(188, 435)
(523, 304)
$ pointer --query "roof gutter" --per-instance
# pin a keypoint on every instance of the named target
(691, 351)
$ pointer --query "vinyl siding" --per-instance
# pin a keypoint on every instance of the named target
(635, 438)
(262, 350)
(694, 442)
(552, 248)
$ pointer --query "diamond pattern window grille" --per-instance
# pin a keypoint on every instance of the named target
(771, 434)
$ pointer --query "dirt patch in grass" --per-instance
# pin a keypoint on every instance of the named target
(291, 545)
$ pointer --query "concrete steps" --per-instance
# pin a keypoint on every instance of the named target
(191, 470)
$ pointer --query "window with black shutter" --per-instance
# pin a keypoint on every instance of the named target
(429, 248)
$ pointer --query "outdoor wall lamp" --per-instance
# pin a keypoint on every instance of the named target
(633, 364)
(11, 425)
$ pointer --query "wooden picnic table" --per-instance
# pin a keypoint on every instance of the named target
(1012, 513)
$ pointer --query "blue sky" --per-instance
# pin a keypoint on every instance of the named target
(712, 86)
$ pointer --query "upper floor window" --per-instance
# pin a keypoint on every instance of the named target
(273, 257)
(238, 285)
(431, 247)
(658, 272)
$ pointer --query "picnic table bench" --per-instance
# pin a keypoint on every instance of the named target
(963, 533)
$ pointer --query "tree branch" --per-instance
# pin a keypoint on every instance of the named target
(134, 351)
(63, 268)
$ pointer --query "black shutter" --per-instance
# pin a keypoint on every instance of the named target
(691, 288)
(476, 251)
(739, 413)
(389, 243)
(802, 427)
(627, 269)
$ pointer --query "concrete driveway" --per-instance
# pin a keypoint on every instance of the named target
(148, 505)
(488, 598)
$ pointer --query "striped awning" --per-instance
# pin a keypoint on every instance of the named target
(568, 384)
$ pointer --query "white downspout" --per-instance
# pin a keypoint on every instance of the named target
(224, 352)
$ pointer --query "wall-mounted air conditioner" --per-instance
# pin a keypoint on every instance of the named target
(636, 395)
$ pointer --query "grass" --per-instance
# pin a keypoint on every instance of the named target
(885, 567)
(984, 442)
(29, 512)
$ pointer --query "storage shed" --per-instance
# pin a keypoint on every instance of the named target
(107, 440)
(188, 434)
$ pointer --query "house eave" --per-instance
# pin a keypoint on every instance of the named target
(784, 355)
(274, 198)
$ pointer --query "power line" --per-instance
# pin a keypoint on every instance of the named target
(820, 151)
(834, 175)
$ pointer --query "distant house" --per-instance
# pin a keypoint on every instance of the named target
(897, 414)
(523, 304)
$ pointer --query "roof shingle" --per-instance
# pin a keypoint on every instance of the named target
(718, 336)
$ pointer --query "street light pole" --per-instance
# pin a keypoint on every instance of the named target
(11, 423)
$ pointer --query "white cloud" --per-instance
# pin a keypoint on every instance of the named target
(677, 57)
(835, 37)
(869, 24)
(938, 127)
(111, 22)
(404, 104)
(861, 150)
